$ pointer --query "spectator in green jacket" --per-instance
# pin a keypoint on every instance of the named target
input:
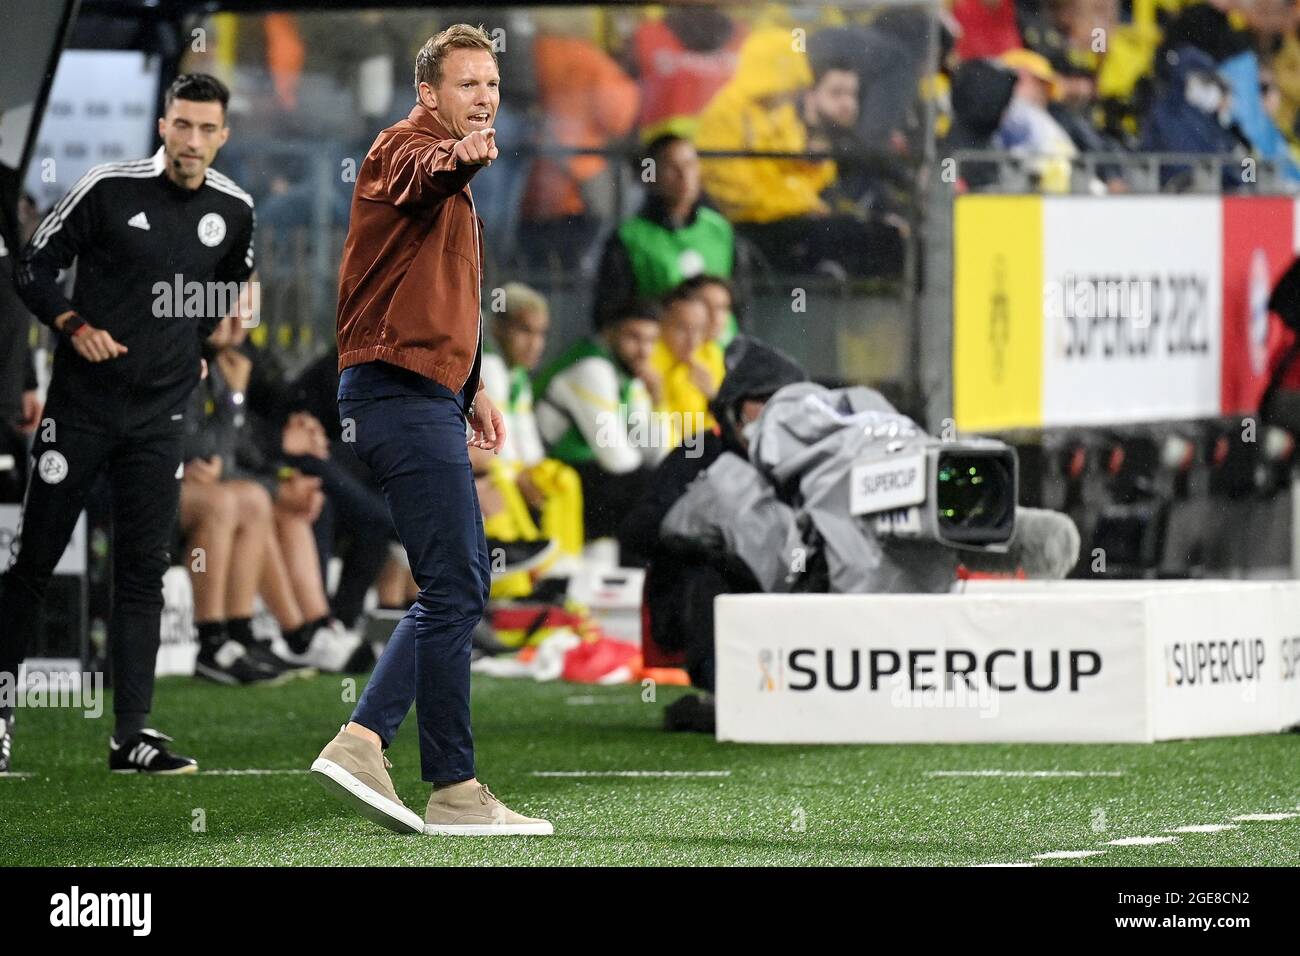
(673, 237)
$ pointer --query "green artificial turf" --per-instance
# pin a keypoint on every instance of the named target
(873, 805)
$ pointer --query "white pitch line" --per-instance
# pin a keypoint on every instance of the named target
(1003, 865)
(589, 701)
(246, 773)
(1067, 854)
(16, 775)
(631, 773)
(1264, 817)
(1142, 841)
(1205, 828)
(1024, 773)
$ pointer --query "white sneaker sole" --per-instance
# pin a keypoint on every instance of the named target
(188, 768)
(371, 804)
(541, 828)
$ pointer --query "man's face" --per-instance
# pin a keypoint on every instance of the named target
(467, 96)
(685, 328)
(678, 176)
(192, 134)
(835, 98)
(750, 409)
(523, 337)
(632, 341)
(718, 300)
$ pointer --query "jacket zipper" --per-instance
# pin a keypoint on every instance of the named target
(478, 290)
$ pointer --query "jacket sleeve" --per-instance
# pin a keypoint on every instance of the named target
(407, 169)
(68, 229)
(641, 409)
(235, 266)
(527, 436)
(589, 393)
(31, 382)
(238, 263)
(495, 380)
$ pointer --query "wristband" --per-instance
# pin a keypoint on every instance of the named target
(74, 326)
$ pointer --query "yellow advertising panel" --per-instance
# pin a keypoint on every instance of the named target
(997, 340)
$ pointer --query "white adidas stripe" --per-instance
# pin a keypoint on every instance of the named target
(220, 181)
(134, 169)
(54, 219)
(89, 179)
(137, 169)
(225, 184)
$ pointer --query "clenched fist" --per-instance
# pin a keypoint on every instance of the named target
(479, 148)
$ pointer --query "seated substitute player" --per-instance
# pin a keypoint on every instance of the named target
(596, 414)
(122, 378)
(530, 482)
(687, 366)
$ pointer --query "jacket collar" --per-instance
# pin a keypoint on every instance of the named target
(158, 167)
(427, 120)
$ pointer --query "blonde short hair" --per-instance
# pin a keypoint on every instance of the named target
(521, 298)
(459, 36)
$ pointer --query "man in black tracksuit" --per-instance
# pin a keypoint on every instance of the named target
(159, 244)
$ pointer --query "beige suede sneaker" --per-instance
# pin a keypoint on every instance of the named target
(356, 771)
(470, 809)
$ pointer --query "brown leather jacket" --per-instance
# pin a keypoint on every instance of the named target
(409, 282)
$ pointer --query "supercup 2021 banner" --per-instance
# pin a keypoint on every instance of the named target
(1075, 310)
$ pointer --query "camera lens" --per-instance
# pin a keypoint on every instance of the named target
(975, 497)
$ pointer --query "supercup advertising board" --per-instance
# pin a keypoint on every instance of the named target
(1078, 310)
(1259, 243)
(922, 668)
(1130, 309)
(1223, 657)
(1011, 661)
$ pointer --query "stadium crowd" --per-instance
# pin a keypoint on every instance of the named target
(1057, 79)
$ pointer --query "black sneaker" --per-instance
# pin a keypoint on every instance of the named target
(510, 557)
(260, 652)
(6, 743)
(694, 713)
(145, 753)
(229, 663)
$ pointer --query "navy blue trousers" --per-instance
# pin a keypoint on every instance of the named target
(410, 433)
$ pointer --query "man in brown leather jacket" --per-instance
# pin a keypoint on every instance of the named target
(410, 347)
